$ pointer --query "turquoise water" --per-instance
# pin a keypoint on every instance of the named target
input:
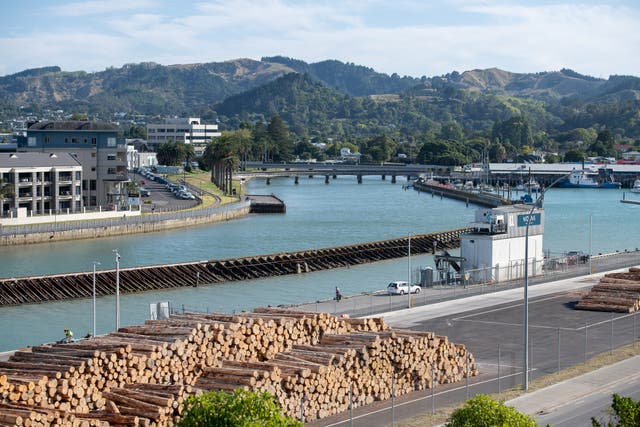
(318, 215)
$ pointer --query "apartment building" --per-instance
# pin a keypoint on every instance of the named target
(185, 129)
(40, 183)
(95, 145)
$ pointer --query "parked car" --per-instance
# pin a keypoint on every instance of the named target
(401, 288)
(144, 192)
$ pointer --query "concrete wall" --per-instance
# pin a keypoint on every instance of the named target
(63, 217)
(120, 229)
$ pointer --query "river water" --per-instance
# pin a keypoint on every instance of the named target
(318, 215)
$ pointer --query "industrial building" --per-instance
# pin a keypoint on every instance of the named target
(494, 249)
(184, 129)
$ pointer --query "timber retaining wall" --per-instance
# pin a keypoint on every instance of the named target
(28, 290)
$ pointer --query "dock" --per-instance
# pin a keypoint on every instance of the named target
(629, 201)
(266, 204)
(30, 290)
(477, 198)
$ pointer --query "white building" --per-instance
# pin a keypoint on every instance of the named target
(495, 248)
(40, 183)
(137, 159)
(185, 129)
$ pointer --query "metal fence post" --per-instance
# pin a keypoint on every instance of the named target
(499, 390)
(433, 390)
(635, 334)
(350, 405)
(586, 338)
(558, 350)
(393, 396)
(467, 375)
(611, 336)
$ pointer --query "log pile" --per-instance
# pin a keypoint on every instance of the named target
(616, 292)
(140, 375)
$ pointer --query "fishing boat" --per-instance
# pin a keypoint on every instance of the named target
(532, 186)
(582, 179)
(636, 186)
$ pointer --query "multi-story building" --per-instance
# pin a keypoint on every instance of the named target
(185, 129)
(40, 183)
(95, 145)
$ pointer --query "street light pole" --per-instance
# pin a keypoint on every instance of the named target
(525, 382)
(94, 297)
(117, 289)
(409, 275)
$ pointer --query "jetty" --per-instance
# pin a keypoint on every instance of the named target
(39, 289)
(477, 198)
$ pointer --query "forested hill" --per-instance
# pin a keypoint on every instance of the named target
(331, 98)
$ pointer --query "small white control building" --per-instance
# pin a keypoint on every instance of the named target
(494, 251)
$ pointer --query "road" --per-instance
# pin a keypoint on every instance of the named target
(574, 402)
(490, 325)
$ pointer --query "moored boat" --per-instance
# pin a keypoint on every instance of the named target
(582, 179)
(635, 188)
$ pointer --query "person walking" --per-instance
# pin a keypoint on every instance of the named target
(68, 336)
(338, 294)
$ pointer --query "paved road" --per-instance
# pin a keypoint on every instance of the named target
(574, 402)
(490, 325)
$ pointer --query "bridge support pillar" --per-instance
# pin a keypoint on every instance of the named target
(296, 180)
(384, 177)
(359, 179)
(326, 179)
(268, 181)
(393, 179)
(310, 176)
(335, 176)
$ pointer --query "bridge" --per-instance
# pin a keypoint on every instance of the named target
(332, 170)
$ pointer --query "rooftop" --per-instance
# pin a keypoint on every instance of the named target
(33, 159)
(74, 126)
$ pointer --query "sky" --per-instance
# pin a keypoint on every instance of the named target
(408, 37)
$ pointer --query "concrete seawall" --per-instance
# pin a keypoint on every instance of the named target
(126, 227)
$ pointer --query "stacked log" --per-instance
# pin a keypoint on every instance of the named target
(616, 292)
(141, 374)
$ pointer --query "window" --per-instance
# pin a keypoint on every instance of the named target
(86, 140)
(78, 175)
(93, 154)
(92, 185)
(47, 140)
(66, 140)
(31, 141)
(93, 168)
(111, 156)
(74, 140)
(78, 190)
(94, 141)
(111, 171)
(111, 142)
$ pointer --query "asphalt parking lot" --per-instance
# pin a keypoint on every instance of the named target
(491, 326)
(160, 198)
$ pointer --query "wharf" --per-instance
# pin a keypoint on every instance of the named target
(481, 199)
(266, 204)
(29, 290)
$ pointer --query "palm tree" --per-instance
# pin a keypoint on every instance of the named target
(223, 160)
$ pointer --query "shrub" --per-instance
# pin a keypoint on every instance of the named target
(238, 409)
(483, 411)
